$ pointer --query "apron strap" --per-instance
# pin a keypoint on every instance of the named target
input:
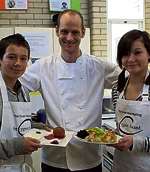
(145, 93)
(24, 94)
(3, 86)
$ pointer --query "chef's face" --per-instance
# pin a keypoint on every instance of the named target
(70, 31)
(14, 62)
(137, 61)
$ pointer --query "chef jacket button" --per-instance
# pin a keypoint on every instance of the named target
(80, 107)
(63, 107)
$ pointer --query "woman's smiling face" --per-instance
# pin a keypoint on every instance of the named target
(136, 62)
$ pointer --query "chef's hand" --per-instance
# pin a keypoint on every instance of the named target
(124, 143)
(30, 145)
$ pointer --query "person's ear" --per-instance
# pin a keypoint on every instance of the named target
(57, 30)
(83, 32)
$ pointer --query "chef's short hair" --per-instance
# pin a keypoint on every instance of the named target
(71, 12)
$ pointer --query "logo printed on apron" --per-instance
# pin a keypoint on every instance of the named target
(129, 122)
(24, 126)
(130, 115)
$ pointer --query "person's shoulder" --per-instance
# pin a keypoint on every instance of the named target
(100, 63)
(101, 60)
(46, 60)
(94, 58)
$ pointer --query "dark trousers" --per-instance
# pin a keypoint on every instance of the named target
(47, 168)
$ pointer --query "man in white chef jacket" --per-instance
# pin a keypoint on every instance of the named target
(72, 85)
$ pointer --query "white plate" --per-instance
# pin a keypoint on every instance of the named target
(101, 143)
(39, 135)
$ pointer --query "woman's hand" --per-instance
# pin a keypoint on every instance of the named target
(124, 143)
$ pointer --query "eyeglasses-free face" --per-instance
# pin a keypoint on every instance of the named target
(136, 62)
(14, 62)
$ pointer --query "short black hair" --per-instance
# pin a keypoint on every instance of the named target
(126, 41)
(72, 12)
(15, 39)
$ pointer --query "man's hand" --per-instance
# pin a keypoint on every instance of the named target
(30, 145)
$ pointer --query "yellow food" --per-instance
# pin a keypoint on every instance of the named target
(107, 136)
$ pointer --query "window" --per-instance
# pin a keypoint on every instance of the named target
(125, 9)
(123, 15)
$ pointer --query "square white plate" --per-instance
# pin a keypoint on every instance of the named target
(39, 135)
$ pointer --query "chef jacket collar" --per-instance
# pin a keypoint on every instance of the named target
(66, 70)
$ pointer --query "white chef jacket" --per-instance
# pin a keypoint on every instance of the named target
(72, 94)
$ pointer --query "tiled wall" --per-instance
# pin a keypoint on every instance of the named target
(98, 26)
(147, 15)
(93, 11)
(37, 15)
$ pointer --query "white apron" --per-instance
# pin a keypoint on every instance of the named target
(133, 118)
(16, 120)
